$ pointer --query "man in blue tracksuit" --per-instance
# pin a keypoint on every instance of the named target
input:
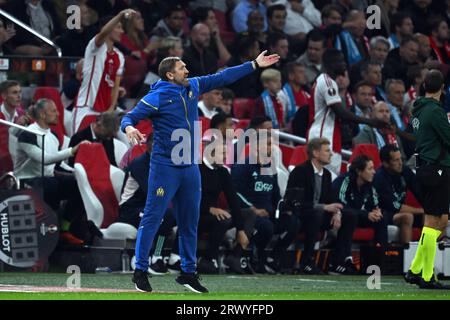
(174, 175)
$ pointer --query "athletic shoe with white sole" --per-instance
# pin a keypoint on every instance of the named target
(191, 282)
(158, 268)
(141, 283)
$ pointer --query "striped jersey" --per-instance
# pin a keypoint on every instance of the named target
(322, 119)
(99, 73)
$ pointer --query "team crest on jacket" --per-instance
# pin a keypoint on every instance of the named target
(160, 192)
(415, 123)
(190, 94)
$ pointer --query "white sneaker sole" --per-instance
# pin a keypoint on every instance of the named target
(140, 290)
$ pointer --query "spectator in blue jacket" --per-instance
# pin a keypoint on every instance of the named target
(392, 181)
(356, 193)
(260, 193)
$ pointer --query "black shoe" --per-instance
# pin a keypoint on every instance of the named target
(412, 278)
(272, 266)
(348, 268)
(140, 279)
(311, 269)
(158, 268)
(191, 281)
(207, 266)
(433, 284)
(247, 266)
(174, 268)
(234, 265)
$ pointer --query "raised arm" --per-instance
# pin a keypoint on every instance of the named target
(230, 75)
(109, 27)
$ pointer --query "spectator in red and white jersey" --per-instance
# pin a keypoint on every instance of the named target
(102, 71)
(326, 107)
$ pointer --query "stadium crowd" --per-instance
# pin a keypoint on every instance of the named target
(338, 84)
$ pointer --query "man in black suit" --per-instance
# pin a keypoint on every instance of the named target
(318, 209)
(103, 131)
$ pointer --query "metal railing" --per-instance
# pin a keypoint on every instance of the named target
(38, 35)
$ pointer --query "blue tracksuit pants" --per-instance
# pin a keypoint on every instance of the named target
(182, 185)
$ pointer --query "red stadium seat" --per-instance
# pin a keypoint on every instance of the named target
(243, 108)
(136, 151)
(363, 234)
(299, 155)
(287, 152)
(53, 94)
(369, 150)
(134, 72)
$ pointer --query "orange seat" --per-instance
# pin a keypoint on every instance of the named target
(243, 108)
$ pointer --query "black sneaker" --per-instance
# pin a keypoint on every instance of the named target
(247, 266)
(207, 266)
(348, 268)
(158, 268)
(174, 268)
(433, 284)
(140, 279)
(311, 269)
(191, 281)
(272, 266)
(412, 278)
(233, 264)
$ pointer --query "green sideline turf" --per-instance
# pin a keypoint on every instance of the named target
(225, 287)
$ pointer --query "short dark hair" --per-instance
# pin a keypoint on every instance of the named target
(315, 145)
(167, 65)
(316, 35)
(328, 9)
(359, 163)
(218, 119)
(257, 121)
(172, 9)
(200, 14)
(413, 72)
(108, 120)
(273, 39)
(435, 22)
(385, 152)
(289, 68)
(5, 85)
(433, 81)
(330, 57)
(397, 20)
(244, 43)
(365, 66)
(227, 94)
(406, 39)
(360, 84)
(273, 8)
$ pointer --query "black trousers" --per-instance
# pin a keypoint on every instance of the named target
(314, 221)
(286, 226)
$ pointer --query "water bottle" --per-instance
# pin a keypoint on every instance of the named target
(103, 270)
(125, 261)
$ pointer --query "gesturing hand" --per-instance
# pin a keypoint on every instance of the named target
(265, 61)
(134, 135)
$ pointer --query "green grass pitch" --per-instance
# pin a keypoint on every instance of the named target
(222, 287)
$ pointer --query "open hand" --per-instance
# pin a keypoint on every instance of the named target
(266, 61)
(134, 135)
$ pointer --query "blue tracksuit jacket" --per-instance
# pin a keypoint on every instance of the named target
(172, 107)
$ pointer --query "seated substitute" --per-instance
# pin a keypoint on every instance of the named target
(216, 221)
(258, 192)
(392, 181)
(356, 193)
